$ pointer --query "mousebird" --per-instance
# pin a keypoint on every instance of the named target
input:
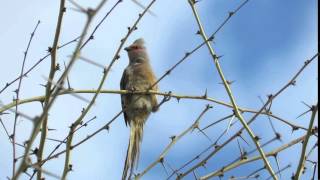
(138, 76)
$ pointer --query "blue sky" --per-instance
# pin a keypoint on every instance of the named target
(263, 46)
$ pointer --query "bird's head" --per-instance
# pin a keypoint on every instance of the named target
(137, 52)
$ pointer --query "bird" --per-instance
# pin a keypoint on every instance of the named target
(137, 76)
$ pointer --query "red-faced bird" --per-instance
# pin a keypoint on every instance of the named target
(138, 76)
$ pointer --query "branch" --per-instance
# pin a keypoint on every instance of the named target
(172, 95)
(302, 160)
(53, 52)
(227, 87)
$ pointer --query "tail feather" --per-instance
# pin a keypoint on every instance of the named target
(133, 151)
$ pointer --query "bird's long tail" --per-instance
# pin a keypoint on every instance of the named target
(133, 151)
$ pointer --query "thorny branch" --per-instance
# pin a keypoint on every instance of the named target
(230, 94)
(17, 91)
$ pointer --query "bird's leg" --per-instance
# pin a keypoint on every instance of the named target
(132, 89)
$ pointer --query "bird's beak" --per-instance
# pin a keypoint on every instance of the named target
(127, 48)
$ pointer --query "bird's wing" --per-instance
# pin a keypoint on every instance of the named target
(154, 103)
(154, 100)
(124, 97)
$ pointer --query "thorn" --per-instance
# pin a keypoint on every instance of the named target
(35, 151)
(205, 96)
(70, 167)
(306, 104)
(215, 57)
(107, 128)
(216, 146)
(278, 136)
(295, 128)
(230, 82)
(314, 130)
(161, 160)
(43, 85)
(307, 62)
(204, 164)
(257, 138)
(173, 138)
(211, 38)
(293, 83)
(49, 49)
(231, 14)
(304, 113)
(57, 68)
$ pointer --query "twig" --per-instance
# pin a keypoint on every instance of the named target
(300, 166)
(218, 121)
(17, 91)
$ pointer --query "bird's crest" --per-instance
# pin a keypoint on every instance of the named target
(139, 42)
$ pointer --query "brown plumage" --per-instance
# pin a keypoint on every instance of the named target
(138, 76)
